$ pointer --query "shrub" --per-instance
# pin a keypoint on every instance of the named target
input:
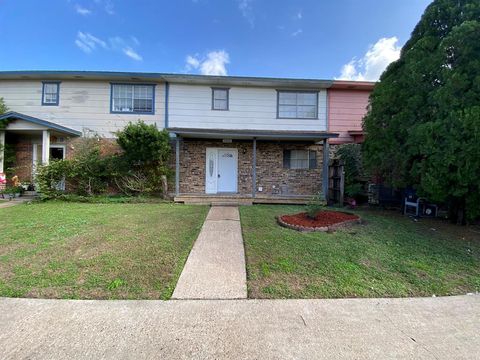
(139, 169)
(315, 205)
(351, 157)
(88, 173)
(144, 144)
(146, 151)
(49, 177)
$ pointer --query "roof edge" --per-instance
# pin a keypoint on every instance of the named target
(16, 115)
(181, 78)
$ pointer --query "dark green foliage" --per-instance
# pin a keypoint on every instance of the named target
(138, 170)
(423, 126)
(145, 159)
(88, 173)
(351, 157)
(144, 144)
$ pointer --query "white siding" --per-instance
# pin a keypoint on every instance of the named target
(84, 105)
(190, 106)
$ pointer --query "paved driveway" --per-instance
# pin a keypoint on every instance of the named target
(422, 328)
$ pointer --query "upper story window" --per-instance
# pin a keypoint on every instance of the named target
(297, 105)
(50, 93)
(133, 98)
(219, 99)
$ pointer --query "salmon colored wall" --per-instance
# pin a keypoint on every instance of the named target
(346, 109)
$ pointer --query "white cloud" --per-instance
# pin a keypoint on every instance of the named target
(81, 10)
(297, 32)
(192, 62)
(299, 15)
(135, 40)
(107, 6)
(245, 7)
(132, 54)
(374, 62)
(213, 64)
(87, 42)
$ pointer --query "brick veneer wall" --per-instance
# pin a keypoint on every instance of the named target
(23, 160)
(275, 180)
(271, 176)
(192, 165)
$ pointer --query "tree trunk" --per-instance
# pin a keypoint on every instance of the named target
(456, 211)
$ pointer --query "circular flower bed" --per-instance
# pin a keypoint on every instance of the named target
(324, 221)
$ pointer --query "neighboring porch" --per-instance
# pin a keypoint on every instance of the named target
(245, 167)
(26, 142)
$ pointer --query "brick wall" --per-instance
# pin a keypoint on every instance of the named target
(275, 180)
(192, 165)
(23, 160)
(271, 176)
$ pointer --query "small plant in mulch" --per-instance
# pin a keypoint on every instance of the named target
(324, 220)
(315, 205)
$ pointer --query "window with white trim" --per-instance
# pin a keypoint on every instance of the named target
(297, 105)
(132, 98)
(50, 93)
(219, 99)
(299, 159)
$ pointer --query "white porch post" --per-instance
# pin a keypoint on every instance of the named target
(2, 150)
(45, 147)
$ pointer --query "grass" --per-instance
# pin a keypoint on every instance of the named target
(388, 256)
(95, 251)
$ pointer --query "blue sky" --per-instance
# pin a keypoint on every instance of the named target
(350, 39)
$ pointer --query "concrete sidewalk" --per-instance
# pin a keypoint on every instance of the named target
(421, 328)
(215, 268)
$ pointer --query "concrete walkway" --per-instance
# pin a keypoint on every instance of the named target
(15, 201)
(421, 328)
(215, 268)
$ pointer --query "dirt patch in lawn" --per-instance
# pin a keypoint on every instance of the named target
(323, 221)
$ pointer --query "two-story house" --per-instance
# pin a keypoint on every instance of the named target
(254, 139)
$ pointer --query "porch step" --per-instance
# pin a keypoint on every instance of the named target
(235, 200)
(214, 201)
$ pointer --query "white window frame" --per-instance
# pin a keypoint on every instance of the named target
(297, 106)
(227, 98)
(45, 85)
(115, 86)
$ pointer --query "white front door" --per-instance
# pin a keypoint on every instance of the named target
(221, 170)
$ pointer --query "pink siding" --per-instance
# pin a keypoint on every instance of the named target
(346, 109)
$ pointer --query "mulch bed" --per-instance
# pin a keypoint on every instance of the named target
(324, 221)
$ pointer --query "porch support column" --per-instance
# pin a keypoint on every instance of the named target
(177, 166)
(2, 150)
(45, 147)
(326, 160)
(254, 168)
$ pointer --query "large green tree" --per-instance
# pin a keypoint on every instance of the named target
(423, 124)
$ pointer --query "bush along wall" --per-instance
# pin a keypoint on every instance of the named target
(140, 168)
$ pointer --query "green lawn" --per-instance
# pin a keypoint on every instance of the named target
(95, 251)
(388, 256)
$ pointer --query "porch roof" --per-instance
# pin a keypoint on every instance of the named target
(37, 121)
(241, 134)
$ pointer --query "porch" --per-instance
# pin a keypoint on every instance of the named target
(26, 142)
(223, 167)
